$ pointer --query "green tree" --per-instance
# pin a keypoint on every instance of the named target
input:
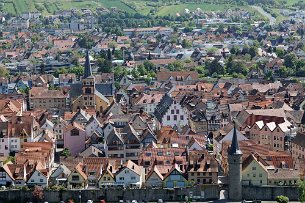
(77, 70)
(66, 152)
(4, 72)
(104, 65)
(234, 50)
(149, 66)
(283, 72)
(9, 159)
(119, 72)
(85, 42)
(280, 52)
(112, 45)
(282, 199)
(149, 56)
(302, 191)
(109, 55)
(186, 43)
(135, 73)
(253, 51)
(290, 60)
(141, 69)
(214, 67)
(176, 66)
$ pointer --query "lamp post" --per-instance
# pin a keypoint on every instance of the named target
(80, 196)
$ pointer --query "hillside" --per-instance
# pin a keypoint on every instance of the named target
(47, 7)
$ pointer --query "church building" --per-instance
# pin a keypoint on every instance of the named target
(89, 93)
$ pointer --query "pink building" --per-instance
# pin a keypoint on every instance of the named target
(74, 138)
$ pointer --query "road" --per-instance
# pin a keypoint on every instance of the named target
(272, 20)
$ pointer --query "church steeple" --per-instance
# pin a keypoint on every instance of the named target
(88, 69)
(235, 169)
(234, 149)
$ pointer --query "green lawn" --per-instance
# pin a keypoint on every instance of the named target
(21, 6)
(173, 9)
(9, 7)
(142, 6)
(116, 3)
(279, 17)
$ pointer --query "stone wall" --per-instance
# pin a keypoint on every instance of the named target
(270, 192)
(211, 192)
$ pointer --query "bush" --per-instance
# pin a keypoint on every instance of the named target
(282, 199)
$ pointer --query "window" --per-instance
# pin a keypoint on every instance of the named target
(32, 181)
(74, 132)
(133, 178)
(38, 174)
(254, 175)
(260, 175)
(181, 117)
(177, 111)
(175, 117)
(41, 180)
(253, 168)
(172, 111)
(121, 178)
(168, 118)
(104, 178)
(75, 178)
(160, 153)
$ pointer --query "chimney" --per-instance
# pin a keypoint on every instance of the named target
(1, 164)
(181, 167)
(110, 169)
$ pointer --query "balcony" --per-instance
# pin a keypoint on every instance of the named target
(114, 148)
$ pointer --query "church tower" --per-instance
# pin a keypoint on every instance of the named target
(88, 84)
(235, 169)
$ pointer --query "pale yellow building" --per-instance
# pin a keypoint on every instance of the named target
(254, 172)
(42, 97)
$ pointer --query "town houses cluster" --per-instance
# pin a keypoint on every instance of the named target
(153, 107)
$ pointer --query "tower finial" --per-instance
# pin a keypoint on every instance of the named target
(87, 70)
(234, 149)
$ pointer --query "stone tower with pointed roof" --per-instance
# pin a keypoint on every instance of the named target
(235, 169)
(88, 87)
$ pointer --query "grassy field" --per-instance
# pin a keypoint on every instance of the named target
(48, 7)
(173, 9)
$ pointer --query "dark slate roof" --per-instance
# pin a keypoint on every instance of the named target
(198, 115)
(163, 106)
(88, 69)
(75, 90)
(105, 89)
(299, 140)
(234, 149)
